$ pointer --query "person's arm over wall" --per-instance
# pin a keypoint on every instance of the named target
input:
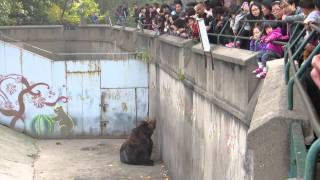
(294, 18)
(237, 23)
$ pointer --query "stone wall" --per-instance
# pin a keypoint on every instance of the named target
(203, 113)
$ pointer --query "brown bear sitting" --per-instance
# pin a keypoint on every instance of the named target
(137, 148)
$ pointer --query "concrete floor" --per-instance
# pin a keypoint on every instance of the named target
(89, 160)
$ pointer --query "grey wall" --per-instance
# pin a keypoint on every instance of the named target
(203, 115)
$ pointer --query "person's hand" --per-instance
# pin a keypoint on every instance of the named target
(220, 23)
(315, 73)
(284, 17)
(309, 47)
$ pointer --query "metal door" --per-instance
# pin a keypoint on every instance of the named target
(124, 96)
(118, 111)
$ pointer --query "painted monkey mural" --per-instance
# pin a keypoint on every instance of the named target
(65, 122)
(16, 109)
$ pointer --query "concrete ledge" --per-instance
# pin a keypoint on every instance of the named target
(199, 49)
(116, 27)
(233, 55)
(130, 29)
(33, 27)
(176, 41)
(147, 33)
(268, 135)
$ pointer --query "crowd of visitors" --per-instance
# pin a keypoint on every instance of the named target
(258, 24)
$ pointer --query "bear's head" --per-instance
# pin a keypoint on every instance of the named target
(147, 127)
(151, 123)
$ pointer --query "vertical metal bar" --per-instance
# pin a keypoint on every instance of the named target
(212, 64)
(303, 68)
(294, 32)
(297, 151)
(298, 51)
(311, 161)
(236, 37)
(222, 31)
(292, 44)
(136, 99)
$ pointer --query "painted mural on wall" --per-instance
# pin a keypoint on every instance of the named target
(64, 120)
(16, 91)
(28, 104)
(43, 125)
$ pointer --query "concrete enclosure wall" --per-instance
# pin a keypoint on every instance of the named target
(54, 99)
(203, 112)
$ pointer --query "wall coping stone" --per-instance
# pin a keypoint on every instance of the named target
(32, 27)
(233, 55)
(226, 54)
(147, 33)
(176, 41)
(199, 49)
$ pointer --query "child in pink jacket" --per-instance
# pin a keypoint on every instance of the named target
(270, 51)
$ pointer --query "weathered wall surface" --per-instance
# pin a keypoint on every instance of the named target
(54, 99)
(203, 114)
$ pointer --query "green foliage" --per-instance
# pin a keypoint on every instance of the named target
(180, 75)
(72, 11)
(42, 125)
(83, 8)
(13, 12)
(54, 14)
(144, 55)
(8, 9)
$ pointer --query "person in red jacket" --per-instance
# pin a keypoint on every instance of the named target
(194, 27)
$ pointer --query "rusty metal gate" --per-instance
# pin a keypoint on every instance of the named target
(124, 96)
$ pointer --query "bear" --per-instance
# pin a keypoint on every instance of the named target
(137, 149)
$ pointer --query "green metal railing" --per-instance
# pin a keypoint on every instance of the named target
(297, 151)
(311, 161)
(302, 164)
(299, 73)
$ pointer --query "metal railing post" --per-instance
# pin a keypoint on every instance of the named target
(222, 31)
(298, 51)
(302, 69)
(311, 161)
(236, 37)
(297, 151)
(290, 42)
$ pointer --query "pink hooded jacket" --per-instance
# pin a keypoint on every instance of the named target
(269, 38)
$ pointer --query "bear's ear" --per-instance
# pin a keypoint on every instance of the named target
(152, 123)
